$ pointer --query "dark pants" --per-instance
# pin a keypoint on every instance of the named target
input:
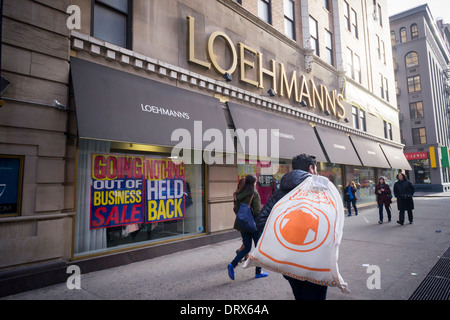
(304, 290)
(247, 238)
(401, 217)
(388, 210)
(353, 202)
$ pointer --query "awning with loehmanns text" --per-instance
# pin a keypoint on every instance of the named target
(118, 106)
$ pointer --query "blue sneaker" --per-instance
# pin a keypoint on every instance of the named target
(261, 275)
(231, 271)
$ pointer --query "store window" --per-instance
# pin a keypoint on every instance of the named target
(334, 172)
(268, 176)
(131, 194)
(422, 171)
(365, 181)
(389, 175)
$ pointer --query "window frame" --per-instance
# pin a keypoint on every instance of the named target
(289, 19)
(416, 85)
(128, 15)
(414, 31)
(268, 5)
(419, 135)
(412, 58)
(403, 35)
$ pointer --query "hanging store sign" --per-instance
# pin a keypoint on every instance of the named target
(132, 189)
(416, 155)
(297, 88)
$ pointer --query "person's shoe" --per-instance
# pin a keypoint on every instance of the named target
(231, 271)
(410, 222)
(400, 223)
(349, 215)
(261, 275)
(380, 222)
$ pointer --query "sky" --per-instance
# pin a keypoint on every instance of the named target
(440, 9)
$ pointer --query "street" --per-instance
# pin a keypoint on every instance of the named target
(404, 255)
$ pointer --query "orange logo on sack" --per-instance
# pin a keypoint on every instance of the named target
(302, 228)
(299, 228)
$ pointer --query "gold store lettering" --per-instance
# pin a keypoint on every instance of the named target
(296, 88)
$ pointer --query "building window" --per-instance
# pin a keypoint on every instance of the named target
(380, 16)
(326, 5)
(362, 119)
(387, 130)
(329, 47)
(238, 1)
(419, 136)
(264, 10)
(414, 84)
(378, 47)
(112, 22)
(402, 35)
(416, 110)
(347, 16)
(314, 35)
(411, 59)
(354, 65)
(383, 52)
(357, 66)
(414, 31)
(359, 119)
(382, 88)
(386, 89)
(393, 38)
(355, 117)
(289, 22)
(354, 19)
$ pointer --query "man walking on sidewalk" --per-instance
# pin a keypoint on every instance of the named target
(404, 191)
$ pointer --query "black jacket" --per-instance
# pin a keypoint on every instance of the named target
(404, 191)
(289, 181)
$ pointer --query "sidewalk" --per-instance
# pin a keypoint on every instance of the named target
(404, 254)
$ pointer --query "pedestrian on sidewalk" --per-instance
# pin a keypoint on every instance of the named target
(384, 196)
(247, 194)
(350, 197)
(404, 192)
(303, 167)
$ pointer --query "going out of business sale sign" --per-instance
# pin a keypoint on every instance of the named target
(135, 189)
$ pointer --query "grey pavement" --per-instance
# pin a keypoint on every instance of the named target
(405, 254)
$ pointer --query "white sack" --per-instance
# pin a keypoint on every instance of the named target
(302, 235)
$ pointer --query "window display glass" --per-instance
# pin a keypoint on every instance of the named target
(129, 196)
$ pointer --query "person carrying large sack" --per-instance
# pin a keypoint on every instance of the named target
(304, 167)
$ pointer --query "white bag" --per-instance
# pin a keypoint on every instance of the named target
(302, 235)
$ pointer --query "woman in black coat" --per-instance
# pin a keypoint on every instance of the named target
(404, 191)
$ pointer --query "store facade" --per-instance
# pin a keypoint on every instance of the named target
(138, 113)
(145, 133)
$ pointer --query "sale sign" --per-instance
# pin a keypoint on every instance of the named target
(133, 189)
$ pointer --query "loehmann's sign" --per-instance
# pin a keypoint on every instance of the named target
(297, 88)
